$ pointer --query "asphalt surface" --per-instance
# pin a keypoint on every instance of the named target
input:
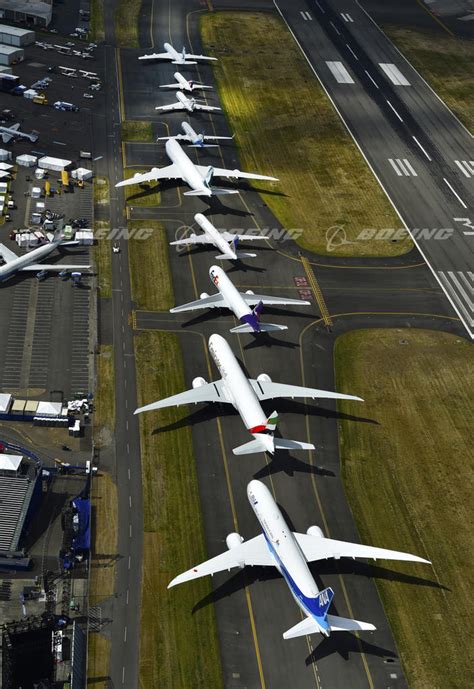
(398, 123)
(254, 607)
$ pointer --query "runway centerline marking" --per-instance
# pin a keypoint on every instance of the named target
(353, 53)
(455, 193)
(396, 113)
(335, 29)
(371, 79)
(421, 147)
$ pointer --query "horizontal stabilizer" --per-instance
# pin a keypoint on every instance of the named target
(219, 191)
(336, 624)
(345, 624)
(283, 444)
(204, 146)
(238, 254)
(264, 328)
(254, 446)
(303, 628)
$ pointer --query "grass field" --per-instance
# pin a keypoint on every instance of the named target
(173, 538)
(409, 481)
(136, 130)
(126, 23)
(141, 195)
(445, 63)
(98, 662)
(102, 260)
(96, 24)
(150, 257)
(295, 134)
(104, 401)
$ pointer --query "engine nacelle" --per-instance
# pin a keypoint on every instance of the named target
(203, 295)
(249, 291)
(264, 378)
(233, 540)
(315, 531)
(199, 382)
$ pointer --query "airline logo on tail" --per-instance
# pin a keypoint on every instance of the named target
(208, 177)
(270, 424)
(323, 601)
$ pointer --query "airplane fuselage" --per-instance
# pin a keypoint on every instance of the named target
(192, 135)
(188, 103)
(188, 170)
(232, 297)
(9, 269)
(237, 387)
(285, 551)
(214, 235)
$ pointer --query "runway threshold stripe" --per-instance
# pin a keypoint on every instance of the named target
(340, 73)
(460, 164)
(410, 167)
(395, 167)
(394, 74)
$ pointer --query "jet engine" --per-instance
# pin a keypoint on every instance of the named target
(249, 291)
(233, 540)
(264, 378)
(315, 531)
(203, 295)
(199, 382)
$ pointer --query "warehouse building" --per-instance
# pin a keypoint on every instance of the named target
(10, 55)
(37, 12)
(13, 35)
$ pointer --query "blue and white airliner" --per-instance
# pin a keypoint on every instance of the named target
(290, 552)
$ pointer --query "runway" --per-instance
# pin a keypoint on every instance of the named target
(254, 607)
(415, 146)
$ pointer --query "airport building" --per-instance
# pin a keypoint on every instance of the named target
(20, 488)
(9, 55)
(38, 12)
(13, 35)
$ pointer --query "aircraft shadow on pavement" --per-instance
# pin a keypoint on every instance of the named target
(366, 569)
(237, 582)
(242, 267)
(283, 461)
(267, 340)
(295, 407)
(208, 315)
(208, 413)
(346, 644)
(216, 207)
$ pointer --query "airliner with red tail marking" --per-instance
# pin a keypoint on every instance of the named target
(245, 394)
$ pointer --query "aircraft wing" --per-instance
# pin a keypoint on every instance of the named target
(156, 56)
(6, 137)
(269, 390)
(229, 237)
(253, 552)
(252, 299)
(6, 253)
(156, 173)
(317, 548)
(206, 108)
(171, 106)
(234, 174)
(33, 267)
(199, 57)
(15, 127)
(214, 301)
(209, 392)
(193, 239)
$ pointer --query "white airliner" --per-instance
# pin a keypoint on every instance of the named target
(193, 138)
(225, 241)
(238, 302)
(182, 58)
(185, 103)
(199, 177)
(245, 394)
(185, 84)
(13, 132)
(29, 261)
(290, 552)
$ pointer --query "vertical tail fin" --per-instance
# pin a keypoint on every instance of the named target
(258, 309)
(208, 177)
(234, 243)
(272, 422)
(324, 600)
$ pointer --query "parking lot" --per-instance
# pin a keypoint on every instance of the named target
(46, 339)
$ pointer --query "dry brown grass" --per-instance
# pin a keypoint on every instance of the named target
(295, 134)
(409, 481)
